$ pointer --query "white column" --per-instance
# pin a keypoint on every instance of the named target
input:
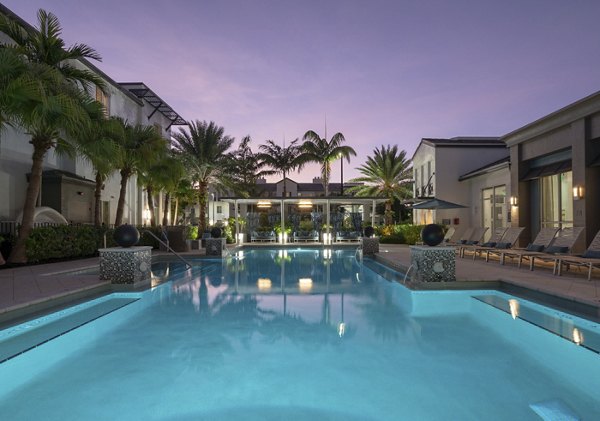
(373, 214)
(282, 223)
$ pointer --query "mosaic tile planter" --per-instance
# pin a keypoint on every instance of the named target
(129, 266)
(370, 245)
(215, 246)
(433, 264)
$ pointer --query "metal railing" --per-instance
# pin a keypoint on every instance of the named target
(166, 245)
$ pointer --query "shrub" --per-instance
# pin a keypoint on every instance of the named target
(399, 234)
(192, 232)
(61, 241)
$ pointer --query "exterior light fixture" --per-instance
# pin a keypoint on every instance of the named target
(514, 201)
(264, 284)
(305, 204)
(305, 284)
(263, 204)
(578, 192)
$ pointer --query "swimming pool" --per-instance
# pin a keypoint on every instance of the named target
(299, 334)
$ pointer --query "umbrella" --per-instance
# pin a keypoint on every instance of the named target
(437, 204)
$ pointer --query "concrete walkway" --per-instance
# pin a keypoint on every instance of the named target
(572, 285)
(32, 289)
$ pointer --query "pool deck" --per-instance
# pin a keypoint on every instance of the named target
(32, 289)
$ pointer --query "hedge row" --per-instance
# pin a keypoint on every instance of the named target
(71, 241)
(400, 234)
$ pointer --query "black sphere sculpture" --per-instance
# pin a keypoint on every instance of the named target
(369, 231)
(126, 235)
(432, 234)
(215, 232)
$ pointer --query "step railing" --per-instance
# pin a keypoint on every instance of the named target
(169, 249)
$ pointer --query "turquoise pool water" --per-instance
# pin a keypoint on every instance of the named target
(299, 334)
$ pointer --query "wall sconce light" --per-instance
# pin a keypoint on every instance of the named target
(514, 201)
(79, 193)
(578, 192)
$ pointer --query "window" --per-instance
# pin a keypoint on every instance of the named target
(103, 99)
(417, 185)
(219, 209)
(557, 200)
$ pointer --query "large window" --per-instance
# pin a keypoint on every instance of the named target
(557, 200)
(493, 209)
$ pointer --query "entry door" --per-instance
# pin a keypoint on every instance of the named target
(493, 209)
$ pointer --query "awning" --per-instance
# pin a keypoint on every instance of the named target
(546, 170)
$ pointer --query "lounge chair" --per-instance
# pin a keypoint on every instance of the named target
(561, 245)
(494, 239)
(462, 238)
(510, 238)
(590, 258)
(348, 236)
(263, 236)
(305, 236)
(541, 241)
(449, 235)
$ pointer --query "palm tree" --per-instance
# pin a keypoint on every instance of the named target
(164, 174)
(140, 147)
(282, 159)
(97, 145)
(62, 108)
(387, 174)
(247, 167)
(18, 88)
(321, 151)
(203, 150)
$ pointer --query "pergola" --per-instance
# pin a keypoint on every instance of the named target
(304, 202)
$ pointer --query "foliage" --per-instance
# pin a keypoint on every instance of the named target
(202, 148)
(192, 233)
(306, 225)
(247, 168)
(277, 229)
(399, 233)
(323, 152)
(282, 159)
(242, 222)
(386, 174)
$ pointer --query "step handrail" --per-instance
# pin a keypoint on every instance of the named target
(168, 248)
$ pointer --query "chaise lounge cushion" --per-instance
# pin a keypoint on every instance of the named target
(591, 254)
(490, 244)
(503, 245)
(535, 247)
(556, 250)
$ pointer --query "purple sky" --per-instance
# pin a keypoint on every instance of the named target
(384, 72)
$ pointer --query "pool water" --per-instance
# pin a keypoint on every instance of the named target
(303, 334)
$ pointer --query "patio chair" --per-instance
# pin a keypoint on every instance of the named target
(494, 239)
(561, 245)
(541, 241)
(475, 239)
(462, 238)
(263, 236)
(348, 236)
(449, 235)
(510, 237)
(590, 258)
(305, 236)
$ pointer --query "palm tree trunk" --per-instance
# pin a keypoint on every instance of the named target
(125, 173)
(174, 219)
(388, 213)
(202, 195)
(284, 185)
(18, 253)
(165, 220)
(97, 197)
(149, 192)
(325, 175)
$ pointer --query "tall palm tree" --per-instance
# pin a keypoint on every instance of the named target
(164, 174)
(18, 88)
(323, 152)
(203, 150)
(141, 146)
(282, 159)
(62, 108)
(247, 167)
(387, 174)
(97, 145)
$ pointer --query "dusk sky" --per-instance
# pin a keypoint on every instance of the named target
(383, 72)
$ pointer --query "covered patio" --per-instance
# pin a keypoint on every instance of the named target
(310, 219)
